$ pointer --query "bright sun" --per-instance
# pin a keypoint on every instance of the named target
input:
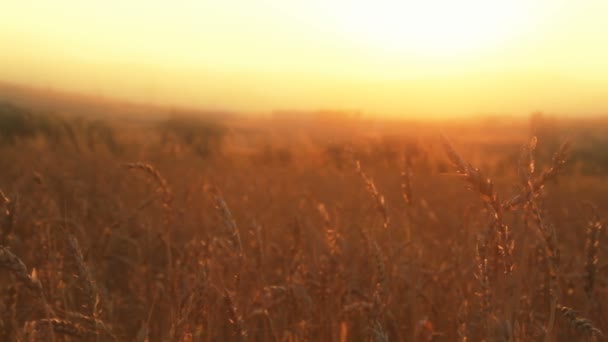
(431, 28)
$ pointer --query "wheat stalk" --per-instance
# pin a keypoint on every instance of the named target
(374, 193)
(11, 262)
(592, 246)
(484, 186)
(87, 283)
(44, 329)
(581, 324)
(9, 219)
(536, 184)
(235, 320)
(229, 221)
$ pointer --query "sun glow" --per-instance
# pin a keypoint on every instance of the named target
(393, 57)
(431, 28)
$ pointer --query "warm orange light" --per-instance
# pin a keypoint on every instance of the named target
(403, 57)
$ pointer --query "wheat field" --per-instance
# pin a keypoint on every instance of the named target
(331, 228)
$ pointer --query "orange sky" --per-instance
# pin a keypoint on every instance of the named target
(406, 58)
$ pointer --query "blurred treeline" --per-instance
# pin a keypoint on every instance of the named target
(493, 144)
(87, 134)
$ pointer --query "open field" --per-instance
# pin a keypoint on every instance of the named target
(320, 227)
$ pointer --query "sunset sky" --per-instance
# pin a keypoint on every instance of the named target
(407, 58)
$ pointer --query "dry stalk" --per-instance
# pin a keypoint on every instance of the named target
(484, 186)
(11, 262)
(484, 280)
(380, 268)
(379, 295)
(332, 237)
(527, 166)
(536, 184)
(592, 244)
(406, 182)
(3, 197)
(547, 232)
(163, 188)
(44, 329)
(462, 329)
(153, 174)
(235, 320)
(374, 193)
(378, 334)
(91, 324)
(9, 219)
(87, 283)
(406, 191)
(553, 260)
(230, 225)
(581, 324)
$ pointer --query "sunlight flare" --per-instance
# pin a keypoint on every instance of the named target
(431, 28)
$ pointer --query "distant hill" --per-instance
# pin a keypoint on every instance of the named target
(50, 100)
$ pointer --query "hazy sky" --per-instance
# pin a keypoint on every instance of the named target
(381, 56)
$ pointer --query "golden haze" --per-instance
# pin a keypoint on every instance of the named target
(390, 57)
